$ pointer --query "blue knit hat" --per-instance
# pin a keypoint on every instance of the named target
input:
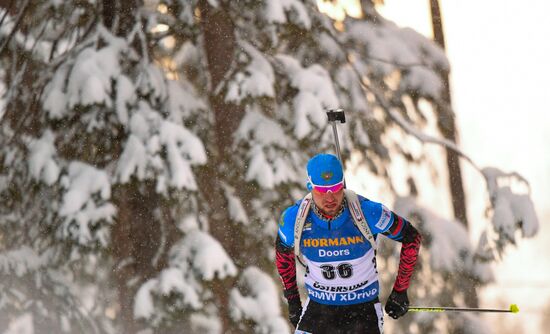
(324, 170)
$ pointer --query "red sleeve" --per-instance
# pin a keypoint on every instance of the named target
(408, 257)
(286, 266)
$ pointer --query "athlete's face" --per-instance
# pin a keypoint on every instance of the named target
(329, 202)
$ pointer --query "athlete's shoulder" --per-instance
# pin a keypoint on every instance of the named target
(378, 216)
(287, 222)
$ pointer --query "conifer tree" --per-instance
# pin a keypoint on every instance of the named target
(148, 149)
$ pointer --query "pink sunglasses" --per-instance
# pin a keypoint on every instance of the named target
(327, 189)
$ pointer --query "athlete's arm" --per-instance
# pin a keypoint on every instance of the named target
(384, 221)
(286, 266)
(403, 231)
(285, 260)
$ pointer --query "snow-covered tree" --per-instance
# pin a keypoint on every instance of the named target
(148, 149)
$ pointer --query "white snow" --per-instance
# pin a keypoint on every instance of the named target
(259, 303)
(213, 3)
(235, 206)
(258, 128)
(83, 182)
(85, 185)
(274, 11)
(417, 133)
(89, 81)
(260, 169)
(139, 122)
(20, 261)
(188, 223)
(283, 11)
(390, 48)
(473, 323)
(55, 101)
(348, 79)
(201, 323)
(331, 47)
(172, 280)
(512, 210)
(423, 80)
(143, 305)
(284, 171)
(132, 161)
(153, 82)
(306, 104)
(124, 96)
(23, 324)
(42, 164)
(256, 80)
(150, 134)
(205, 255)
(162, 147)
(184, 100)
(449, 238)
(402, 46)
(301, 18)
(187, 54)
(183, 147)
(316, 80)
(268, 163)
(315, 94)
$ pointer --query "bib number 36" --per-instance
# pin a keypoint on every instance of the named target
(344, 270)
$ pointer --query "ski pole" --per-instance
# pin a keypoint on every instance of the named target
(333, 116)
(513, 309)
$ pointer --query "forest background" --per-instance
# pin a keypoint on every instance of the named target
(148, 148)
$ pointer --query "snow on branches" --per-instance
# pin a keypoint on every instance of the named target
(194, 261)
(256, 298)
(86, 204)
(512, 211)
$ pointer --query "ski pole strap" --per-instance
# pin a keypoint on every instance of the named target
(358, 217)
(303, 210)
(513, 309)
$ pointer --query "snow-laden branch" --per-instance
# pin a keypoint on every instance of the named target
(16, 24)
(410, 129)
(511, 212)
(255, 299)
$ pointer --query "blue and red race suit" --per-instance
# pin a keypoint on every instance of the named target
(340, 262)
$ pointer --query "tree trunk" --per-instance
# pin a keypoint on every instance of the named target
(447, 126)
(220, 44)
(141, 235)
(137, 239)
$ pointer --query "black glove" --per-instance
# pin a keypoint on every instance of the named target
(397, 304)
(294, 311)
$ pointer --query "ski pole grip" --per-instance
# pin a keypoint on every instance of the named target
(336, 115)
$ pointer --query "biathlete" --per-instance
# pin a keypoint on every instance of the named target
(334, 231)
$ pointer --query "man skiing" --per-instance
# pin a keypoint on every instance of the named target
(334, 231)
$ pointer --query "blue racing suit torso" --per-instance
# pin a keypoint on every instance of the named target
(340, 262)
